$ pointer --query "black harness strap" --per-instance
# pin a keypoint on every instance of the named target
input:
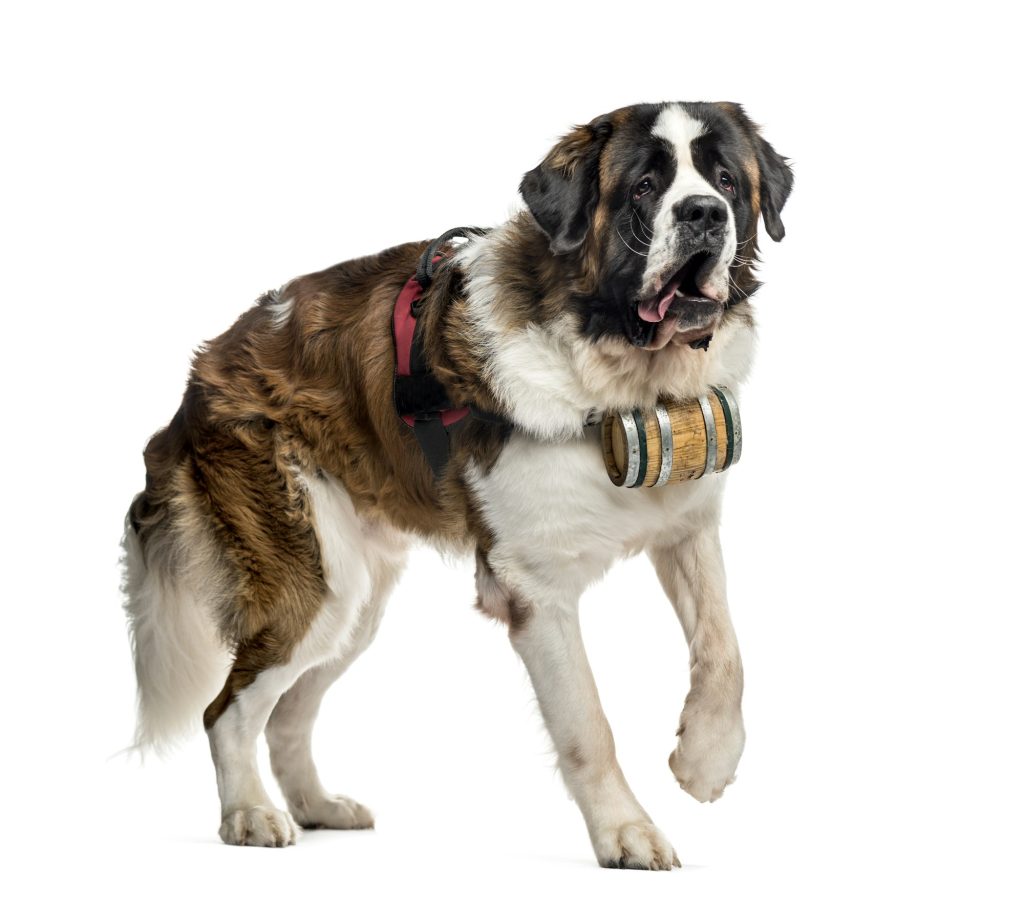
(433, 436)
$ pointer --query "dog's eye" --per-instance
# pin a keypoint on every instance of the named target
(644, 186)
(725, 180)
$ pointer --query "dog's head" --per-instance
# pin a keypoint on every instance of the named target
(656, 208)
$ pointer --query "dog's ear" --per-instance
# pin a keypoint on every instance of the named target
(776, 178)
(562, 192)
(776, 183)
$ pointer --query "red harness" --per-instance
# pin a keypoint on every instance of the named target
(405, 323)
(420, 399)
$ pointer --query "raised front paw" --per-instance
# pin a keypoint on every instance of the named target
(333, 812)
(708, 751)
(264, 827)
(634, 846)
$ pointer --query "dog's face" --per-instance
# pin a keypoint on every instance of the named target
(658, 206)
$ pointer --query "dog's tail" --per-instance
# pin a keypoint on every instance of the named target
(180, 661)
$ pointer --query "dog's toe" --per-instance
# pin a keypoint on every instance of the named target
(709, 748)
(264, 827)
(635, 846)
(334, 812)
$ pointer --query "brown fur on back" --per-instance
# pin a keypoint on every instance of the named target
(269, 404)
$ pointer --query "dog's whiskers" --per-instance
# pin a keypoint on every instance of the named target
(626, 244)
(635, 235)
(643, 225)
(732, 281)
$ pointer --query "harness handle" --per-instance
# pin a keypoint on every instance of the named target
(425, 267)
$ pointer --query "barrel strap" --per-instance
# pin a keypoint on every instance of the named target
(730, 435)
(731, 409)
(665, 426)
(641, 434)
(632, 449)
(712, 435)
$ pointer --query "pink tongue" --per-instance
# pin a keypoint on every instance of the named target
(654, 310)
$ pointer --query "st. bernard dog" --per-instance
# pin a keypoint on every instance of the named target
(281, 498)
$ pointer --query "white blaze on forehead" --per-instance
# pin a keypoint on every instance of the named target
(679, 129)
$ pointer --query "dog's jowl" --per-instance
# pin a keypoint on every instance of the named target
(280, 499)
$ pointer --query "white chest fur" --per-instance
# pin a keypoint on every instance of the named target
(559, 522)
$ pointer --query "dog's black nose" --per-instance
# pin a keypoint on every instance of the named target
(701, 215)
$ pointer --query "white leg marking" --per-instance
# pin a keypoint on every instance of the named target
(290, 729)
(711, 734)
(289, 736)
(621, 832)
(247, 815)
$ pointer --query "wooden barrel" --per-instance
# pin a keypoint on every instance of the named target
(674, 442)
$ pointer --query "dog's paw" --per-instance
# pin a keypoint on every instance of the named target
(334, 812)
(708, 752)
(634, 846)
(264, 827)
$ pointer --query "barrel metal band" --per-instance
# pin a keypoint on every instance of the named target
(737, 428)
(665, 424)
(641, 434)
(632, 448)
(712, 435)
(730, 437)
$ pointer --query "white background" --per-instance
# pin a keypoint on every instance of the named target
(164, 166)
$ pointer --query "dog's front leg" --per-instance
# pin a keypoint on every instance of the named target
(546, 634)
(710, 732)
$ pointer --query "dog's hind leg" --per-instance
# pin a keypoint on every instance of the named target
(307, 568)
(265, 671)
(289, 731)
(710, 732)
(233, 723)
(289, 736)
